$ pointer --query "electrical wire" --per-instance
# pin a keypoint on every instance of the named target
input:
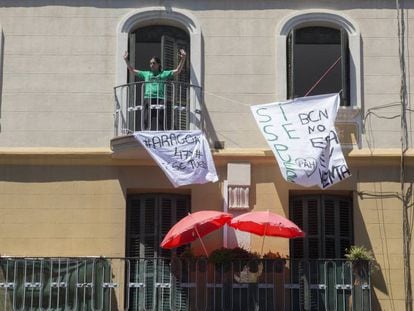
(404, 147)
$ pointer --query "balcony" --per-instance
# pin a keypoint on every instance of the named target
(150, 106)
(179, 284)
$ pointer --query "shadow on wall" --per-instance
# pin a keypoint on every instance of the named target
(206, 124)
(377, 184)
(383, 199)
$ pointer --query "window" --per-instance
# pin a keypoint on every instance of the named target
(171, 109)
(149, 218)
(187, 106)
(318, 62)
(308, 21)
(328, 223)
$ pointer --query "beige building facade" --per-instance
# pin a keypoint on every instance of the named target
(69, 171)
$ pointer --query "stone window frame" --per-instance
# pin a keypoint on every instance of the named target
(164, 16)
(328, 19)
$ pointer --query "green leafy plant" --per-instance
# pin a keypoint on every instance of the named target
(188, 254)
(355, 253)
(277, 255)
(223, 258)
(274, 260)
(362, 260)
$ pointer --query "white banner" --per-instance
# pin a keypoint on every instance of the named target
(302, 136)
(184, 156)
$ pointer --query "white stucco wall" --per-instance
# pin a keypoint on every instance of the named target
(59, 67)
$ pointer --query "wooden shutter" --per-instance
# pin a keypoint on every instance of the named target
(345, 96)
(168, 52)
(296, 215)
(166, 221)
(168, 59)
(132, 55)
(184, 89)
(149, 218)
(178, 111)
(290, 65)
(133, 228)
(346, 229)
(184, 76)
(330, 225)
(327, 222)
(312, 227)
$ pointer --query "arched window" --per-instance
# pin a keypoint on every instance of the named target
(308, 43)
(151, 32)
(318, 62)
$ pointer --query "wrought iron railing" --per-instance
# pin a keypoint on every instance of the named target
(157, 106)
(181, 284)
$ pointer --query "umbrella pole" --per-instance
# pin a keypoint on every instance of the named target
(261, 253)
(201, 240)
(264, 235)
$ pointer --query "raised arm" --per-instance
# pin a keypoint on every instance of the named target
(180, 66)
(130, 68)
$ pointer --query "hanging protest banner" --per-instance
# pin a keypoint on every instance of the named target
(184, 156)
(301, 133)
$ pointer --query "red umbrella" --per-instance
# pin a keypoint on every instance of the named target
(195, 226)
(266, 224)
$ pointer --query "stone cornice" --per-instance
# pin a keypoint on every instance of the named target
(105, 157)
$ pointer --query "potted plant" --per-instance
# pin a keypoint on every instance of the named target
(223, 258)
(362, 259)
(276, 258)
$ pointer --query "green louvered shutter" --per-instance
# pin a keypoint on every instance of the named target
(149, 218)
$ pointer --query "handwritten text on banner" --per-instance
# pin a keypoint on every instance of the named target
(184, 156)
(302, 135)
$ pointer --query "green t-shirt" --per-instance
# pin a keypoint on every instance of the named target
(154, 88)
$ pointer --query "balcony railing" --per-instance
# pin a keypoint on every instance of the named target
(180, 284)
(156, 106)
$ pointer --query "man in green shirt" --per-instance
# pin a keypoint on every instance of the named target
(154, 94)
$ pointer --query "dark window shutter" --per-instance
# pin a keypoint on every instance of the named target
(327, 222)
(166, 217)
(296, 215)
(312, 228)
(133, 227)
(132, 55)
(149, 218)
(168, 52)
(149, 223)
(345, 96)
(290, 65)
(182, 208)
(345, 225)
(182, 102)
(184, 76)
(178, 113)
(330, 226)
